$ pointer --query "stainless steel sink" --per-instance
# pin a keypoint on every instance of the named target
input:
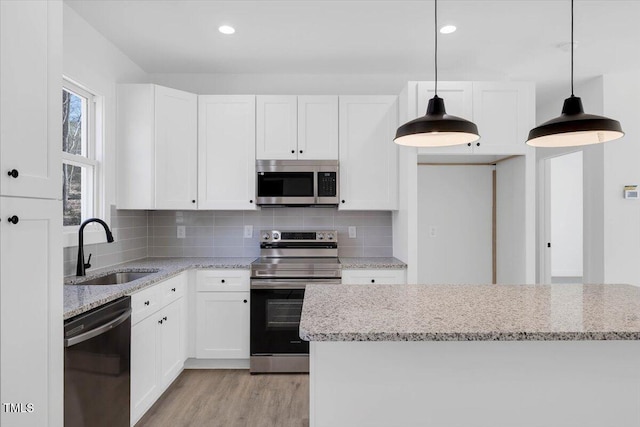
(117, 278)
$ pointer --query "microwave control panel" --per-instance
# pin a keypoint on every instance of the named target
(327, 184)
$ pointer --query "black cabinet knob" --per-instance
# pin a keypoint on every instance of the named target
(193, 201)
(477, 144)
(244, 301)
(13, 173)
(373, 280)
(293, 151)
(469, 144)
(13, 219)
(146, 303)
(300, 151)
(173, 289)
(250, 201)
(343, 201)
(222, 280)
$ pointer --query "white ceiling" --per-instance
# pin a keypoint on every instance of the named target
(515, 40)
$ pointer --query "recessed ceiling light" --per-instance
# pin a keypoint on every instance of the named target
(226, 29)
(448, 29)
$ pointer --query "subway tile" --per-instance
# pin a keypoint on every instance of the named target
(318, 222)
(251, 252)
(228, 232)
(350, 251)
(228, 252)
(197, 241)
(378, 251)
(377, 231)
(314, 212)
(377, 240)
(163, 231)
(229, 221)
(199, 232)
(222, 242)
(287, 221)
(199, 251)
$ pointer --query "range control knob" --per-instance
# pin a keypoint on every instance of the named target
(329, 236)
(320, 236)
(266, 236)
(276, 235)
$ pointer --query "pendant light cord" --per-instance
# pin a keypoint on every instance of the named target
(572, 47)
(436, 44)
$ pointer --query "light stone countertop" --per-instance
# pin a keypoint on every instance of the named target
(470, 312)
(372, 263)
(80, 298)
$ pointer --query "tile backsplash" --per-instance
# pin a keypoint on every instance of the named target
(140, 234)
(221, 233)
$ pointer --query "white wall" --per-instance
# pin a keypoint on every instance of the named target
(566, 215)
(94, 62)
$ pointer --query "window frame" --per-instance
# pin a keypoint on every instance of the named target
(93, 159)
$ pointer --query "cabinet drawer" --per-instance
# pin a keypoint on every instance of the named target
(144, 303)
(222, 280)
(375, 277)
(172, 289)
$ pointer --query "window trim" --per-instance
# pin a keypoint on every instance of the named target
(94, 159)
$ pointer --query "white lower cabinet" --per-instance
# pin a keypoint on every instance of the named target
(222, 314)
(157, 342)
(374, 277)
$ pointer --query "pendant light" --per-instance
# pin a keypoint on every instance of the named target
(574, 127)
(436, 128)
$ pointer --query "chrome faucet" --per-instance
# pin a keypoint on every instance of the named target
(82, 266)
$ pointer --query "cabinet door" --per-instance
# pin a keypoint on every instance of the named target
(318, 127)
(504, 113)
(277, 127)
(457, 101)
(145, 351)
(176, 150)
(374, 277)
(31, 310)
(171, 353)
(30, 105)
(368, 156)
(227, 152)
(222, 325)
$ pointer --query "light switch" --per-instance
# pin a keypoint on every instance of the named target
(352, 232)
(182, 232)
(248, 231)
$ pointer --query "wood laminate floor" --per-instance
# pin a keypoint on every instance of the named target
(231, 398)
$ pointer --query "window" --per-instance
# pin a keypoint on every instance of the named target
(79, 165)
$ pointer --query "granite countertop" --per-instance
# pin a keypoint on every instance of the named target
(470, 312)
(372, 263)
(79, 298)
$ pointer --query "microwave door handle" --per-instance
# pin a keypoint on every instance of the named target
(315, 184)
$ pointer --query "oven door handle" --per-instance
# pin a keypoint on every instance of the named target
(290, 283)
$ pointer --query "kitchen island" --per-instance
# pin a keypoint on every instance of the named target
(473, 355)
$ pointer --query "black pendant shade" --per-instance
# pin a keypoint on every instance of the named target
(574, 128)
(436, 128)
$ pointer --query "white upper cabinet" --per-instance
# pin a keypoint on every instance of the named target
(457, 101)
(226, 152)
(30, 105)
(318, 127)
(368, 156)
(277, 127)
(157, 148)
(504, 113)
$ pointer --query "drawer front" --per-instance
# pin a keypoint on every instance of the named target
(373, 277)
(172, 289)
(222, 280)
(144, 303)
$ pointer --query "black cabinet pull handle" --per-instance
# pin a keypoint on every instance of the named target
(146, 303)
(160, 321)
(222, 280)
(373, 280)
(173, 289)
(164, 318)
(477, 144)
(13, 173)
(244, 301)
(13, 219)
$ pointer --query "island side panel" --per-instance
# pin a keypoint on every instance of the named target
(475, 383)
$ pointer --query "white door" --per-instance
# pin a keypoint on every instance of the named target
(368, 156)
(31, 310)
(171, 353)
(30, 105)
(176, 128)
(504, 113)
(145, 356)
(455, 231)
(222, 325)
(277, 127)
(227, 152)
(458, 101)
(318, 127)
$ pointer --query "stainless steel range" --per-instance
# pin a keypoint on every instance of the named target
(289, 261)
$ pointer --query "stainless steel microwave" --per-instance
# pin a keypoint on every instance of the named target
(297, 182)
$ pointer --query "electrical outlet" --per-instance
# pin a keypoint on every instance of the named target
(182, 232)
(248, 231)
(352, 232)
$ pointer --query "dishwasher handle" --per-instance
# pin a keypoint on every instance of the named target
(68, 342)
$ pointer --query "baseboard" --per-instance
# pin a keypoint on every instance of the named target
(192, 363)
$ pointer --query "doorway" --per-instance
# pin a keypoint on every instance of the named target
(563, 219)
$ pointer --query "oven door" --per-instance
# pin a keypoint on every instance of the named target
(286, 188)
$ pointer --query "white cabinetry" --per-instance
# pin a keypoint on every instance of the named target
(226, 152)
(375, 277)
(297, 127)
(222, 314)
(368, 156)
(157, 148)
(157, 342)
(31, 326)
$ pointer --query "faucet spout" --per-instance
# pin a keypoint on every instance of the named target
(81, 265)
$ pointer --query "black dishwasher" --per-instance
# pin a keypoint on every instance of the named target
(97, 365)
